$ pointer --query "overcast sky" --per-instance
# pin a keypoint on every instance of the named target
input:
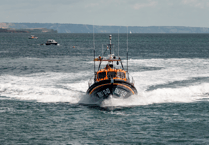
(108, 12)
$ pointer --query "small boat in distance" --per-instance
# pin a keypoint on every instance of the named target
(112, 81)
(51, 42)
(32, 37)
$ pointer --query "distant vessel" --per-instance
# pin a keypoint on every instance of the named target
(51, 42)
(112, 81)
(32, 37)
(130, 32)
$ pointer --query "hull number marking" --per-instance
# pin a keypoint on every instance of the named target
(103, 93)
(120, 92)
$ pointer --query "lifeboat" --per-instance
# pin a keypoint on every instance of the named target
(111, 81)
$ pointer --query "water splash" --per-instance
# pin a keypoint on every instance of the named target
(174, 82)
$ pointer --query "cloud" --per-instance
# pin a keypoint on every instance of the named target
(143, 5)
(196, 3)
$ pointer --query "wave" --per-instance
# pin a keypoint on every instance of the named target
(75, 93)
(42, 87)
(177, 80)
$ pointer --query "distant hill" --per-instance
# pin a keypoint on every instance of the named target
(12, 31)
(83, 28)
(27, 30)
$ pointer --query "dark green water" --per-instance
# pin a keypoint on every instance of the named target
(41, 88)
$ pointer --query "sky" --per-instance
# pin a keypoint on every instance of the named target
(192, 13)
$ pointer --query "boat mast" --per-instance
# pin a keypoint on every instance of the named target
(110, 43)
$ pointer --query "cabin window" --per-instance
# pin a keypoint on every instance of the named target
(121, 75)
(111, 74)
(101, 75)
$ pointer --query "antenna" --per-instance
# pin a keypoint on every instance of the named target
(102, 50)
(118, 43)
(94, 49)
(93, 37)
(127, 48)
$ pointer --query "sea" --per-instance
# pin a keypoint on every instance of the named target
(43, 90)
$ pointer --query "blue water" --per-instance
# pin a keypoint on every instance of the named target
(41, 88)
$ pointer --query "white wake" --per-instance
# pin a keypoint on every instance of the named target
(71, 87)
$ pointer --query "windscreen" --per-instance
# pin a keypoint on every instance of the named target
(111, 74)
(121, 75)
(101, 75)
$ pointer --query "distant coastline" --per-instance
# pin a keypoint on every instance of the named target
(12, 31)
(28, 30)
(84, 28)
